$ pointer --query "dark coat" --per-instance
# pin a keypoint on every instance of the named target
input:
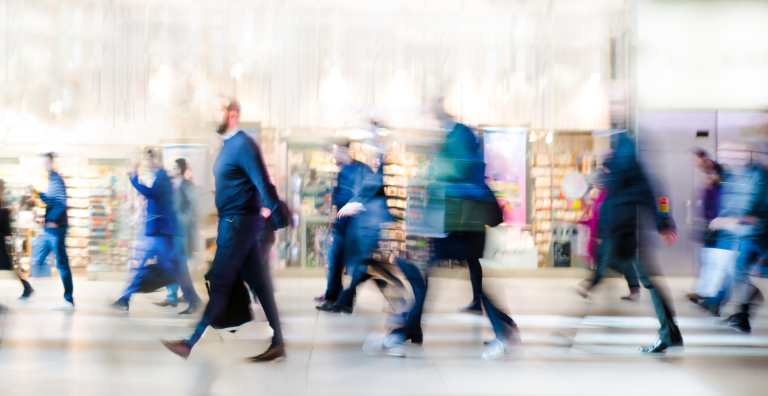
(362, 234)
(629, 193)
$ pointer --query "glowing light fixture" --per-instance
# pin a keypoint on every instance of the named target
(237, 70)
(56, 107)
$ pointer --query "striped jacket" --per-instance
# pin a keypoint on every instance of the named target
(55, 200)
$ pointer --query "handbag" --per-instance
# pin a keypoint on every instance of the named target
(238, 311)
(716, 267)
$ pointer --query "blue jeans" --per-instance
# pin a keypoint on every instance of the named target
(62, 260)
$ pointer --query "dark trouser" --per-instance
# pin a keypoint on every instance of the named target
(238, 252)
(335, 268)
(180, 260)
(619, 251)
(62, 260)
(626, 268)
(384, 278)
(464, 246)
(6, 264)
(266, 241)
(475, 277)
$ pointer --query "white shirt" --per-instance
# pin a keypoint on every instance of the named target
(226, 136)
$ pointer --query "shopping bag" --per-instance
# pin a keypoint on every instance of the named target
(717, 265)
(238, 311)
(40, 265)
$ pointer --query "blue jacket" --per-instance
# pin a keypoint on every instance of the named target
(745, 193)
(55, 200)
(161, 220)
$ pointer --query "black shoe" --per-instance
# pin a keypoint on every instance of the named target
(475, 307)
(326, 306)
(120, 305)
(166, 303)
(272, 353)
(713, 309)
(190, 310)
(660, 346)
(417, 338)
(27, 294)
(740, 323)
(343, 308)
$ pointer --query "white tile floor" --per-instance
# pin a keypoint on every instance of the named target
(98, 351)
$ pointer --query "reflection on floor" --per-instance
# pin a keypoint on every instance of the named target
(99, 351)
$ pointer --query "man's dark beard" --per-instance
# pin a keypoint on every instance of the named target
(222, 128)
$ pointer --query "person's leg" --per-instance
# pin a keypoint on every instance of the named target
(412, 327)
(62, 262)
(359, 275)
(235, 239)
(646, 268)
(475, 278)
(335, 268)
(173, 293)
(750, 252)
(179, 261)
(256, 275)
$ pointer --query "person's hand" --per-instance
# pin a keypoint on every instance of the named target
(265, 213)
(51, 224)
(136, 164)
(670, 236)
(351, 209)
(724, 223)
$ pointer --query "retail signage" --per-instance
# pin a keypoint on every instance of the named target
(505, 171)
(663, 204)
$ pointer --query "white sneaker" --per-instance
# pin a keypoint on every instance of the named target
(388, 345)
(64, 306)
(500, 350)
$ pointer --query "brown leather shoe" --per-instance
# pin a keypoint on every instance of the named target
(272, 353)
(180, 348)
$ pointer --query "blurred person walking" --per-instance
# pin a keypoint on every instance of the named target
(598, 211)
(469, 206)
(185, 240)
(741, 224)
(55, 227)
(161, 265)
(710, 277)
(5, 233)
(348, 183)
(242, 184)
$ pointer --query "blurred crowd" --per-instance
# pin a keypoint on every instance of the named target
(623, 212)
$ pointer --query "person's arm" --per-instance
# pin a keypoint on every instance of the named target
(56, 197)
(252, 163)
(148, 192)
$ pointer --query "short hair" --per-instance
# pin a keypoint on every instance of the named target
(232, 105)
(150, 152)
(699, 152)
(50, 156)
(182, 163)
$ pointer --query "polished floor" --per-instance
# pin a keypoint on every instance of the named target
(99, 351)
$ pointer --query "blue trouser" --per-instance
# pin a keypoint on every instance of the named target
(62, 261)
(161, 249)
(457, 245)
(182, 270)
(336, 262)
(237, 251)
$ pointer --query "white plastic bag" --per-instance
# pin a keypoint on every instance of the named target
(717, 265)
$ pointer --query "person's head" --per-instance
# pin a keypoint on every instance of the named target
(230, 115)
(735, 153)
(48, 162)
(312, 175)
(341, 154)
(150, 159)
(700, 160)
(179, 167)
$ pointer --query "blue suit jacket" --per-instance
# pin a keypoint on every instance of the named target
(161, 219)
